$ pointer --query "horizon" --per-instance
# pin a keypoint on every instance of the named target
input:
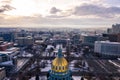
(53, 27)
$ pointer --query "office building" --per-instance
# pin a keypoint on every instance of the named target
(116, 28)
(25, 41)
(107, 48)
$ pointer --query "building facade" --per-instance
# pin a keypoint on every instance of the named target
(25, 41)
(116, 28)
(2, 73)
(107, 48)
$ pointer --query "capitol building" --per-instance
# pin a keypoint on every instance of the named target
(59, 68)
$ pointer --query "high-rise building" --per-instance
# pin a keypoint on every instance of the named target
(59, 69)
(116, 28)
(109, 30)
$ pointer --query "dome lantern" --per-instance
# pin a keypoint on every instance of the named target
(60, 55)
(60, 64)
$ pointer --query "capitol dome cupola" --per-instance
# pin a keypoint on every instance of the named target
(59, 69)
(60, 64)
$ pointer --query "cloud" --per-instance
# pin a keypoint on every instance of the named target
(55, 16)
(96, 0)
(88, 10)
(54, 10)
(39, 21)
(96, 10)
(6, 1)
(5, 8)
(81, 15)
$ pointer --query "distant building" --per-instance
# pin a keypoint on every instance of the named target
(113, 33)
(116, 28)
(7, 36)
(22, 33)
(1, 39)
(7, 54)
(58, 41)
(7, 51)
(3, 57)
(89, 40)
(5, 45)
(109, 31)
(118, 37)
(9, 67)
(112, 37)
(107, 48)
(76, 39)
(25, 41)
(102, 38)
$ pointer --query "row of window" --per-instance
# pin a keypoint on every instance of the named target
(59, 67)
(60, 79)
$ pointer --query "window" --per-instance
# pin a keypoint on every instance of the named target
(56, 67)
(59, 68)
(53, 67)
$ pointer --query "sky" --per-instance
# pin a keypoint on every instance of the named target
(59, 13)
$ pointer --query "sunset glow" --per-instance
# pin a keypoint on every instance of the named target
(88, 13)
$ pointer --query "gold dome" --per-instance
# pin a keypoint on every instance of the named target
(60, 64)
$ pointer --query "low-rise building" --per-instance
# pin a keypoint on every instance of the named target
(2, 73)
(88, 40)
(25, 41)
(5, 45)
(107, 48)
(75, 39)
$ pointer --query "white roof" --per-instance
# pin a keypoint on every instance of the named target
(107, 42)
(7, 63)
(10, 50)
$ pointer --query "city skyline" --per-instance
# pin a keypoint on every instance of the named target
(62, 13)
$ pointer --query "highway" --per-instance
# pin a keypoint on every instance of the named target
(21, 62)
